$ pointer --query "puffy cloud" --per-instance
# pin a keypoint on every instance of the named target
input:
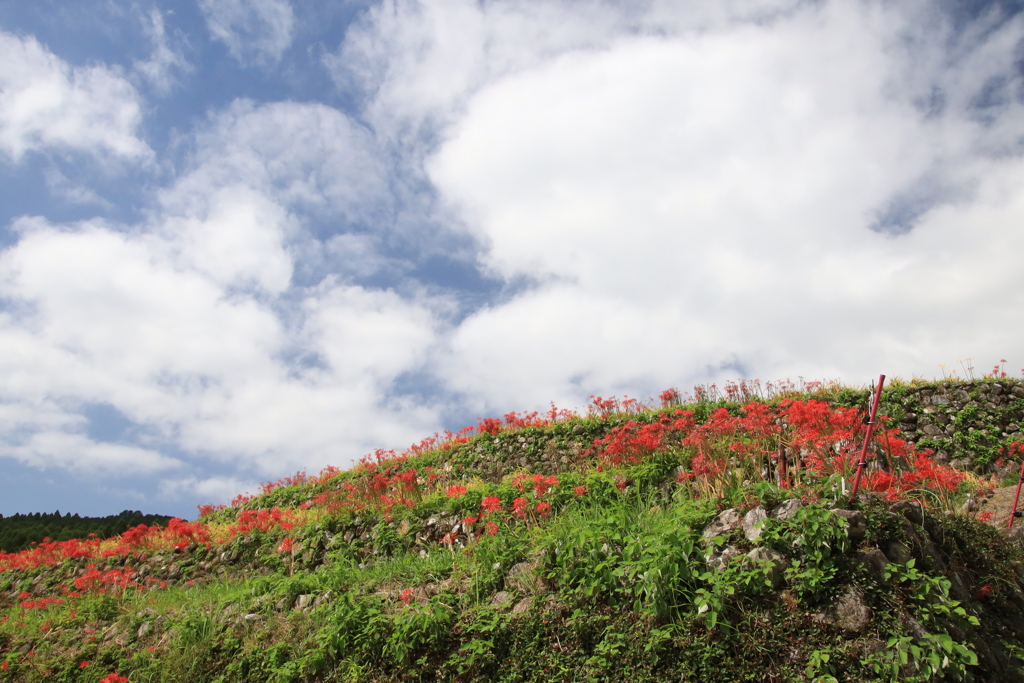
(698, 205)
(306, 156)
(256, 32)
(46, 103)
(191, 327)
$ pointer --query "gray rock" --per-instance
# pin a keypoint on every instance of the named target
(957, 588)
(726, 521)
(856, 523)
(897, 552)
(501, 598)
(303, 602)
(788, 509)
(776, 564)
(874, 561)
(911, 509)
(522, 607)
(753, 523)
(144, 629)
(251, 617)
(850, 613)
(719, 557)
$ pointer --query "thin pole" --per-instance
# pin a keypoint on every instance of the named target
(1014, 513)
(867, 437)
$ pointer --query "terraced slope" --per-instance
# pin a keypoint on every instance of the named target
(715, 540)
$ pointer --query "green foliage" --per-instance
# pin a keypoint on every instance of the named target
(816, 541)
(614, 583)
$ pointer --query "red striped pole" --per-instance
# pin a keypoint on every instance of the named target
(1013, 512)
(867, 437)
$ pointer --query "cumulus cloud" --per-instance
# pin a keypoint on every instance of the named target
(45, 103)
(668, 193)
(309, 156)
(255, 32)
(191, 327)
(695, 195)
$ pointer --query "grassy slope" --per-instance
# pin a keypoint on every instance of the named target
(613, 583)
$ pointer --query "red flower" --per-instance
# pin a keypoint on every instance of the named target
(115, 678)
(406, 595)
(579, 491)
(520, 507)
(490, 505)
(83, 664)
(543, 509)
(286, 546)
(456, 491)
(491, 528)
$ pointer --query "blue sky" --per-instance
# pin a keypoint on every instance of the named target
(242, 239)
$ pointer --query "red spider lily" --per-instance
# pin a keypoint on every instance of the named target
(579, 491)
(41, 603)
(286, 546)
(456, 491)
(406, 595)
(115, 678)
(520, 508)
(84, 664)
(541, 484)
(490, 505)
(670, 397)
(543, 509)
(488, 425)
(491, 528)
(207, 510)
(98, 581)
(261, 520)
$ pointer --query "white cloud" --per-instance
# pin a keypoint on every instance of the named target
(697, 205)
(61, 186)
(46, 103)
(210, 488)
(255, 31)
(190, 326)
(159, 70)
(308, 156)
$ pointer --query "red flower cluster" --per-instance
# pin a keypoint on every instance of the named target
(456, 491)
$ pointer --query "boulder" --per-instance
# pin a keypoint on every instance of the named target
(849, 613)
(788, 509)
(874, 561)
(753, 523)
(726, 521)
(911, 509)
(719, 557)
(775, 564)
(857, 523)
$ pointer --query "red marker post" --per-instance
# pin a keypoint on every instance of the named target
(867, 437)
(1013, 512)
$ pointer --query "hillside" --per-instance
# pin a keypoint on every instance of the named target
(705, 539)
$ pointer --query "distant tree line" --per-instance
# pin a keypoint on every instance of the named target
(19, 532)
